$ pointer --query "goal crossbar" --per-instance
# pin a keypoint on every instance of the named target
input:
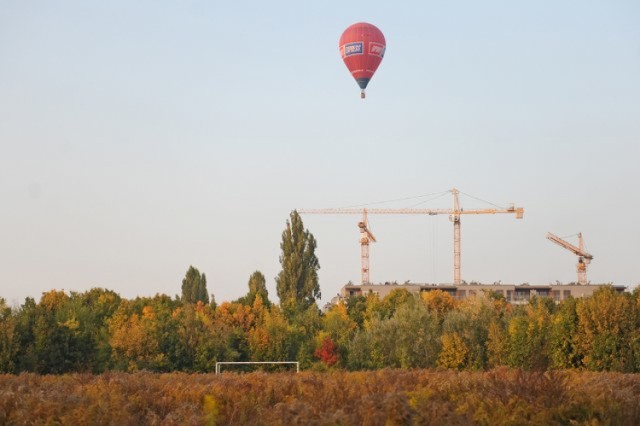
(219, 364)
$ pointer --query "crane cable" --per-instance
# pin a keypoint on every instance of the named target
(584, 246)
(569, 236)
(434, 195)
(430, 199)
(397, 199)
(480, 199)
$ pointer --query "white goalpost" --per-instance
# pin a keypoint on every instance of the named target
(221, 363)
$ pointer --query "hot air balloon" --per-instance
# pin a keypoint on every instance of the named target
(362, 48)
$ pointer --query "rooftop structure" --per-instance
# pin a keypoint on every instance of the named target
(513, 293)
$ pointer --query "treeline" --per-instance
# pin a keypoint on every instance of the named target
(97, 331)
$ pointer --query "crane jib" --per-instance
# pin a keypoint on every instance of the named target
(455, 213)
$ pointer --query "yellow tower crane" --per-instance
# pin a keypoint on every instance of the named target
(454, 217)
(365, 237)
(584, 258)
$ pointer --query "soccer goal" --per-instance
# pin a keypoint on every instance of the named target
(221, 363)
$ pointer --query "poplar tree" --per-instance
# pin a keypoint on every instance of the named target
(297, 283)
(194, 287)
(257, 287)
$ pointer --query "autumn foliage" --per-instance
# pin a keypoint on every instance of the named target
(99, 331)
(96, 358)
(383, 397)
(327, 352)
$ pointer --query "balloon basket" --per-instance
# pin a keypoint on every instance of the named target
(362, 95)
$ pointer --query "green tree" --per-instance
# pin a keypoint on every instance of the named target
(529, 333)
(635, 334)
(470, 321)
(564, 324)
(409, 339)
(297, 283)
(394, 300)
(339, 328)
(257, 287)
(356, 309)
(306, 324)
(200, 340)
(194, 287)
(91, 310)
(25, 358)
(8, 340)
(338, 325)
(60, 345)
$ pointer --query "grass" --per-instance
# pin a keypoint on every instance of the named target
(385, 397)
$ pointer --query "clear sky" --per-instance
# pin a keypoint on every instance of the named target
(140, 137)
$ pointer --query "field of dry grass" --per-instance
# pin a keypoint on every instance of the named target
(382, 397)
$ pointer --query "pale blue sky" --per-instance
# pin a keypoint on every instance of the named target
(138, 138)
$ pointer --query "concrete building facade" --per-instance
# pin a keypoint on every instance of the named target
(513, 293)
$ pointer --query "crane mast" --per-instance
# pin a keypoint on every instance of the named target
(584, 258)
(454, 217)
(365, 237)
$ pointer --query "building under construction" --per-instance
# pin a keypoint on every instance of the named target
(513, 293)
(459, 289)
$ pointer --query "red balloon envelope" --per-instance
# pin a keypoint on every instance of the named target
(362, 48)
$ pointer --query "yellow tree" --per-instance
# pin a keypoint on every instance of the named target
(236, 315)
(471, 320)
(133, 340)
(439, 301)
(497, 344)
(607, 324)
(273, 338)
(337, 324)
(454, 351)
(373, 309)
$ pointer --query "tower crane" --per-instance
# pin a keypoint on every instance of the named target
(584, 258)
(454, 217)
(365, 237)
